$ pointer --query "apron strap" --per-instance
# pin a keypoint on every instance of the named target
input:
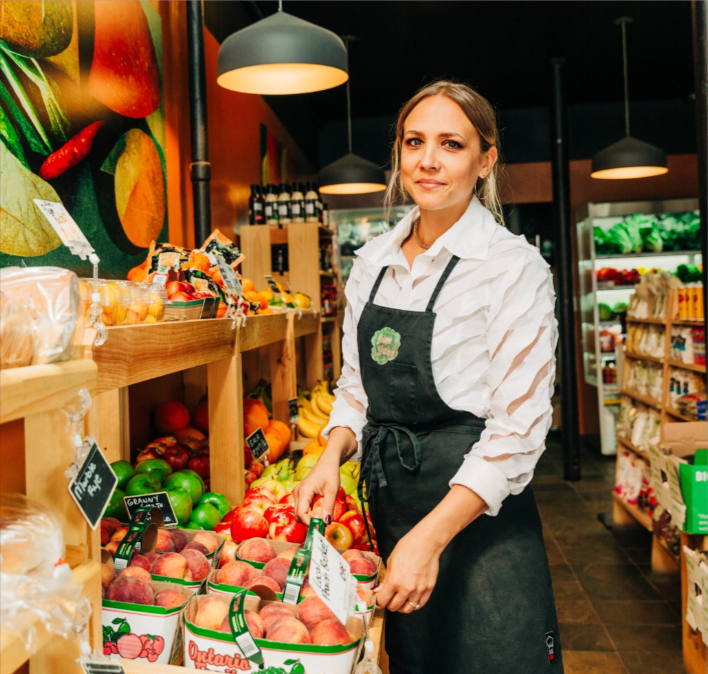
(445, 275)
(375, 289)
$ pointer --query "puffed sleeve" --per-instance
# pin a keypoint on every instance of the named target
(350, 384)
(521, 340)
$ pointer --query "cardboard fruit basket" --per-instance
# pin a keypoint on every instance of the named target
(215, 651)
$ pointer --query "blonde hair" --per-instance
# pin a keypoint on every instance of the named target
(481, 114)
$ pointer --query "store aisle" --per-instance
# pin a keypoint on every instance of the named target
(615, 616)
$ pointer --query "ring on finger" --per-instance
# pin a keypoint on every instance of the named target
(415, 605)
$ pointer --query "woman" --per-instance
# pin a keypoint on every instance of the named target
(449, 341)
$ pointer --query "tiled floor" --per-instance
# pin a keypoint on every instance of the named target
(615, 616)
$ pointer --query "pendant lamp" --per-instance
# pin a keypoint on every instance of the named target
(282, 54)
(629, 157)
(351, 174)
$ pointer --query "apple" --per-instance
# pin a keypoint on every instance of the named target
(288, 498)
(229, 515)
(285, 527)
(167, 440)
(351, 503)
(223, 528)
(340, 507)
(199, 463)
(248, 523)
(152, 452)
(355, 523)
(177, 456)
(179, 297)
(275, 487)
(257, 468)
(339, 536)
(276, 509)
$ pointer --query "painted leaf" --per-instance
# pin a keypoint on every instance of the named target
(35, 28)
(24, 230)
(140, 189)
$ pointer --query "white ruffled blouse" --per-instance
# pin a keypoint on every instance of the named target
(493, 344)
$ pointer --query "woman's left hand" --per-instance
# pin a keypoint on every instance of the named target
(411, 574)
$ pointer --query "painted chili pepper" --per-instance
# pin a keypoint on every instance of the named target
(71, 153)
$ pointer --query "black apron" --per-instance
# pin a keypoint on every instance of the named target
(492, 610)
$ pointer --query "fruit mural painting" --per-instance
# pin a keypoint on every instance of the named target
(120, 640)
(82, 122)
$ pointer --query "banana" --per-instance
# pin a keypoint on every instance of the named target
(324, 392)
(307, 428)
(314, 404)
(306, 404)
(313, 418)
(324, 406)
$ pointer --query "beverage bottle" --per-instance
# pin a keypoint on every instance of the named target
(297, 200)
(311, 199)
(260, 206)
(318, 202)
(284, 205)
(254, 206)
(271, 206)
(325, 215)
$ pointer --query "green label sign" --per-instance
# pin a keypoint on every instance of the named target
(298, 567)
(240, 631)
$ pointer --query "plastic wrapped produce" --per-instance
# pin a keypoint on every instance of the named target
(35, 581)
(16, 333)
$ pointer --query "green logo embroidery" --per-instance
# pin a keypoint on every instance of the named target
(385, 345)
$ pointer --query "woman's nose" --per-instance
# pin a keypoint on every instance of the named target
(430, 159)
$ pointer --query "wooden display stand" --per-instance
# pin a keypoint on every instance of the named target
(36, 451)
(626, 514)
(695, 653)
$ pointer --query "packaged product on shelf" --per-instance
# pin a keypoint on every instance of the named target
(666, 530)
(698, 337)
(632, 478)
(697, 591)
(51, 298)
(650, 295)
(687, 392)
(17, 337)
(218, 244)
(645, 378)
(36, 586)
(645, 340)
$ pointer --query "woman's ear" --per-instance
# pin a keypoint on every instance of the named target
(490, 158)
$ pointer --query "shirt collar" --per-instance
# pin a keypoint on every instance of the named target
(469, 238)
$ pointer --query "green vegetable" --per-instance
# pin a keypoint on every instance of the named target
(619, 239)
(651, 238)
(604, 311)
(620, 307)
(688, 273)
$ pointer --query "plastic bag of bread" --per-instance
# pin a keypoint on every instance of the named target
(36, 581)
(52, 297)
(16, 333)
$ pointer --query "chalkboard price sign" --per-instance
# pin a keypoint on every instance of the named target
(273, 285)
(231, 281)
(157, 499)
(93, 486)
(258, 444)
(293, 410)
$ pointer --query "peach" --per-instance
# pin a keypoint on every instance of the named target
(349, 555)
(107, 530)
(236, 573)
(364, 594)
(208, 540)
(108, 575)
(256, 550)
(211, 613)
(289, 631)
(228, 553)
(312, 611)
(277, 569)
(198, 564)
(170, 565)
(112, 521)
(131, 590)
(111, 547)
(263, 581)
(119, 534)
(362, 567)
(255, 624)
(140, 560)
(181, 539)
(288, 553)
(196, 546)
(150, 556)
(307, 590)
(135, 572)
(330, 633)
(169, 599)
(165, 541)
(272, 613)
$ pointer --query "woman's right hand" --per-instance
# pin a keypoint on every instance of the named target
(323, 479)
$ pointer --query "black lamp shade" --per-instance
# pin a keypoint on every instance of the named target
(282, 54)
(351, 175)
(629, 158)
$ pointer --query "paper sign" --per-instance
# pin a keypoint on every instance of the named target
(258, 444)
(331, 579)
(231, 281)
(157, 499)
(273, 285)
(65, 226)
(293, 410)
(93, 486)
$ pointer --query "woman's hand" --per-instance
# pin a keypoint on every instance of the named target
(323, 479)
(411, 574)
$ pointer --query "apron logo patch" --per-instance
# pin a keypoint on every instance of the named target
(551, 647)
(385, 344)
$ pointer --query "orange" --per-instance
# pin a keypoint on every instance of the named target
(320, 439)
(255, 415)
(275, 442)
(313, 447)
(198, 261)
(221, 311)
(248, 285)
(263, 312)
(256, 298)
(283, 430)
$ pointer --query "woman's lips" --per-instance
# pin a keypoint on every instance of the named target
(430, 184)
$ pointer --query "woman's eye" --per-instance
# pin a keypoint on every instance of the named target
(413, 142)
(453, 144)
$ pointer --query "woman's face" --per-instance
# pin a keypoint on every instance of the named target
(441, 157)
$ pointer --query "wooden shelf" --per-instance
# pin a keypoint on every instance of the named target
(329, 319)
(652, 321)
(632, 448)
(688, 366)
(635, 511)
(643, 356)
(674, 413)
(641, 398)
(691, 322)
(40, 388)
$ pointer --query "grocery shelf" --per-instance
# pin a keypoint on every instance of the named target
(634, 449)
(643, 356)
(689, 322)
(661, 253)
(675, 413)
(642, 398)
(653, 321)
(688, 366)
(40, 388)
(635, 511)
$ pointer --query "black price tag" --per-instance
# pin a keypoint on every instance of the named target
(157, 499)
(231, 281)
(273, 285)
(106, 667)
(258, 444)
(93, 486)
(293, 410)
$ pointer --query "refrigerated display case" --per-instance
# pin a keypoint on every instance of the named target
(617, 242)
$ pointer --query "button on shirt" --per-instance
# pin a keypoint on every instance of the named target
(493, 344)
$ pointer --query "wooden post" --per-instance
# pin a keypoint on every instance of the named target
(111, 409)
(255, 242)
(314, 357)
(282, 372)
(303, 260)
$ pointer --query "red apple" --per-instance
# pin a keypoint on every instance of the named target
(340, 507)
(179, 297)
(167, 440)
(229, 515)
(288, 499)
(152, 452)
(248, 523)
(177, 457)
(200, 465)
(257, 468)
(249, 477)
(339, 536)
(355, 523)
(351, 504)
(247, 456)
(276, 509)
(223, 528)
(285, 527)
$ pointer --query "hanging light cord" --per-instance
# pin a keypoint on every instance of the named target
(623, 22)
(347, 39)
(280, 5)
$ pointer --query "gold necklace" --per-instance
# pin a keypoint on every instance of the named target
(416, 237)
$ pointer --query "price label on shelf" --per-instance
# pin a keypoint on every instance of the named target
(66, 228)
(293, 410)
(231, 281)
(330, 578)
(158, 499)
(102, 667)
(258, 444)
(273, 285)
(93, 485)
